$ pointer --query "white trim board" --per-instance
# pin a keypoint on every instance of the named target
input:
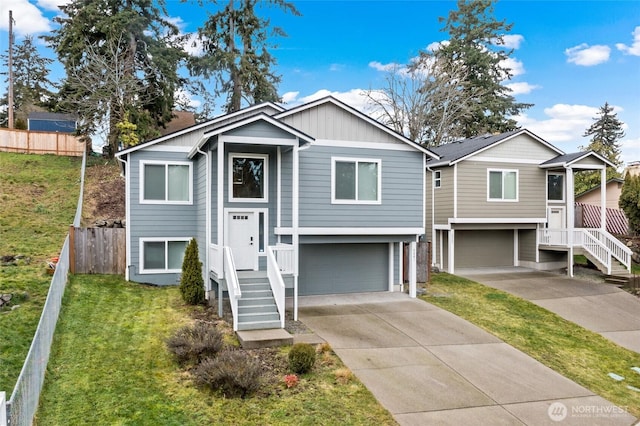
(367, 145)
(496, 220)
(350, 231)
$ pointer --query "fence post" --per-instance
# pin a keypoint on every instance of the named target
(3, 409)
(72, 250)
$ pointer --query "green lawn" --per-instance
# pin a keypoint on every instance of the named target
(109, 366)
(581, 355)
(38, 197)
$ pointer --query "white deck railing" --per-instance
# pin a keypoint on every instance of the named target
(284, 257)
(276, 282)
(233, 285)
(600, 244)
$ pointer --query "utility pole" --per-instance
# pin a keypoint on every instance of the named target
(10, 96)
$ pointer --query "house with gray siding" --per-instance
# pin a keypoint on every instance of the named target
(316, 199)
(508, 200)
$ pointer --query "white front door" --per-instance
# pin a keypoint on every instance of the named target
(242, 238)
(556, 221)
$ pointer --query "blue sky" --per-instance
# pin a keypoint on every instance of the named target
(569, 56)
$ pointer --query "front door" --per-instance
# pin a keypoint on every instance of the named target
(556, 221)
(242, 237)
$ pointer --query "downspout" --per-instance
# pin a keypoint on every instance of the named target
(433, 218)
(207, 226)
(127, 227)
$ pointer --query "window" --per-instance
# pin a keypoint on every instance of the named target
(166, 183)
(502, 185)
(355, 181)
(248, 180)
(555, 187)
(159, 255)
(436, 179)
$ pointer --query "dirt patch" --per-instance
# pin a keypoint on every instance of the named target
(104, 193)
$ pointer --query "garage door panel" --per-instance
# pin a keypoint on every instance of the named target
(343, 268)
(475, 249)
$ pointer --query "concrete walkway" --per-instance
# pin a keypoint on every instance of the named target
(599, 307)
(428, 366)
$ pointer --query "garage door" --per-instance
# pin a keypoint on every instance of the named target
(476, 249)
(343, 268)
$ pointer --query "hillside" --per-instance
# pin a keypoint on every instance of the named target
(104, 193)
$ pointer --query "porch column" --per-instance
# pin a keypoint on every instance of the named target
(295, 238)
(220, 215)
(401, 265)
(452, 251)
(412, 269)
(571, 205)
(391, 266)
(603, 199)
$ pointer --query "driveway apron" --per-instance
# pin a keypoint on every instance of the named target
(599, 307)
(428, 366)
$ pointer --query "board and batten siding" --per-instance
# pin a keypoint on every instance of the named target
(327, 121)
(472, 191)
(157, 220)
(402, 197)
(521, 146)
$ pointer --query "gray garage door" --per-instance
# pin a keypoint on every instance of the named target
(343, 268)
(476, 249)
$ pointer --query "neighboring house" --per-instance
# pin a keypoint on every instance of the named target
(51, 122)
(593, 195)
(507, 200)
(318, 199)
(179, 120)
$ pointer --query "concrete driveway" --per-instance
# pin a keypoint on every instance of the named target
(428, 366)
(599, 307)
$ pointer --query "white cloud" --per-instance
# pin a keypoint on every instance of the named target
(435, 46)
(634, 49)
(289, 97)
(28, 18)
(384, 67)
(521, 88)
(184, 97)
(586, 55)
(512, 41)
(516, 67)
(355, 98)
(52, 4)
(336, 67)
(630, 150)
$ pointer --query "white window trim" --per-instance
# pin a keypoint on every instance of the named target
(503, 200)
(143, 163)
(166, 254)
(264, 157)
(356, 160)
(437, 179)
(562, 186)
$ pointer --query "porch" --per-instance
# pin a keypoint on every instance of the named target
(604, 250)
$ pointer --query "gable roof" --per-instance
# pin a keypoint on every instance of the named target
(597, 187)
(567, 160)
(359, 114)
(457, 151)
(252, 119)
(205, 124)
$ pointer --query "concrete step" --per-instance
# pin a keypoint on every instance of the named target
(255, 301)
(257, 309)
(254, 286)
(258, 317)
(258, 325)
(266, 338)
(253, 294)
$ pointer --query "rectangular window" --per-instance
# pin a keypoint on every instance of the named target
(355, 181)
(436, 179)
(555, 187)
(165, 183)
(158, 255)
(248, 177)
(502, 185)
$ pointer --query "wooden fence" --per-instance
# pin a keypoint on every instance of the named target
(423, 265)
(27, 142)
(97, 250)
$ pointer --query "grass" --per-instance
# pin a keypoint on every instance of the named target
(578, 354)
(38, 197)
(109, 365)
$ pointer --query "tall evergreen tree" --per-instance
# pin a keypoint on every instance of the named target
(605, 132)
(629, 202)
(32, 88)
(476, 39)
(139, 47)
(236, 43)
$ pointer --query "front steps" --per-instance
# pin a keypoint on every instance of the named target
(257, 308)
(620, 276)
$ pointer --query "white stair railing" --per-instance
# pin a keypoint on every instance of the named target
(618, 250)
(276, 282)
(598, 250)
(215, 260)
(233, 285)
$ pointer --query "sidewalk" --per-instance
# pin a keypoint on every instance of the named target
(428, 366)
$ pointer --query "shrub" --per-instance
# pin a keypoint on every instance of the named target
(233, 373)
(302, 356)
(191, 281)
(291, 380)
(193, 343)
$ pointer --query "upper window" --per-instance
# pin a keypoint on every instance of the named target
(249, 178)
(166, 182)
(355, 181)
(158, 255)
(555, 187)
(436, 179)
(502, 185)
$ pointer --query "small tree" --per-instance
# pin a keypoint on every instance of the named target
(191, 281)
(629, 202)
